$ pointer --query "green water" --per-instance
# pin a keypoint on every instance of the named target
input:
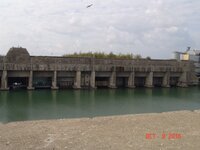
(46, 104)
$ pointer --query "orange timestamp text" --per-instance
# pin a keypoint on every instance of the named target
(170, 136)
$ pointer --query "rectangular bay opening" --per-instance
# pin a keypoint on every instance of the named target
(42, 82)
(17, 82)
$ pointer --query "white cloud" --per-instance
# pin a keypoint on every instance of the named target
(172, 29)
(151, 28)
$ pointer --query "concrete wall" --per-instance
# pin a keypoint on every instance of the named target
(1, 59)
(1, 62)
(143, 65)
(82, 71)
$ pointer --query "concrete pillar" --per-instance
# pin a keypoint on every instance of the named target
(183, 80)
(166, 80)
(131, 80)
(77, 82)
(92, 80)
(54, 81)
(112, 80)
(149, 80)
(30, 81)
(4, 80)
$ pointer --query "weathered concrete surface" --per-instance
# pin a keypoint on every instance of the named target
(121, 72)
(115, 133)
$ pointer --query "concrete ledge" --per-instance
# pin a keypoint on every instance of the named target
(93, 87)
(131, 87)
(112, 87)
(4, 89)
(166, 86)
(183, 85)
(30, 88)
(149, 86)
(54, 88)
(75, 87)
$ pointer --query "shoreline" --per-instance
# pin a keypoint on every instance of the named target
(181, 130)
(96, 117)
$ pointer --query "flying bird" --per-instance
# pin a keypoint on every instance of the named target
(89, 6)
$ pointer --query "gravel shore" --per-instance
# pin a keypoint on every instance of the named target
(170, 130)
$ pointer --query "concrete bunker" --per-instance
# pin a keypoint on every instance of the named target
(102, 82)
(17, 82)
(65, 79)
(122, 77)
(157, 81)
(63, 72)
(0, 78)
(122, 82)
(140, 81)
(102, 79)
(65, 82)
(17, 79)
(174, 81)
(42, 80)
(18, 56)
(85, 79)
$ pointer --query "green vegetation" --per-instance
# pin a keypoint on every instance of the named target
(149, 58)
(104, 55)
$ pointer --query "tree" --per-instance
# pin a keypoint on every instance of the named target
(104, 55)
(148, 58)
(137, 56)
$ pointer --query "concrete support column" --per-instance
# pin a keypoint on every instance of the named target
(183, 80)
(131, 80)
(77, 82)
(166, 80)
(92, 80)
(30, 81)
(4, 80)
(112, 80)
(54, 81)
(149, 80)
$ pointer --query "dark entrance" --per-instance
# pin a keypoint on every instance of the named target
(140, 81)
(157, 81)
(174, 81)
(122, 82)
(17, 82)
(102, 82)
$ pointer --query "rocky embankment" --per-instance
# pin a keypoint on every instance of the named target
(170, 130)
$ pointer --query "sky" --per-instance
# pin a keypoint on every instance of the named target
(152, 28)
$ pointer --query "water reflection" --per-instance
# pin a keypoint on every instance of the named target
(54, 103)
(17, 108)
(92, 100)
(47, 104)
(30, 99)
(3, 105)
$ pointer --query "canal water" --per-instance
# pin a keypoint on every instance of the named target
(21, 105)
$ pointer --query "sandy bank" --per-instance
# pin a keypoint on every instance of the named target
(171, 130)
